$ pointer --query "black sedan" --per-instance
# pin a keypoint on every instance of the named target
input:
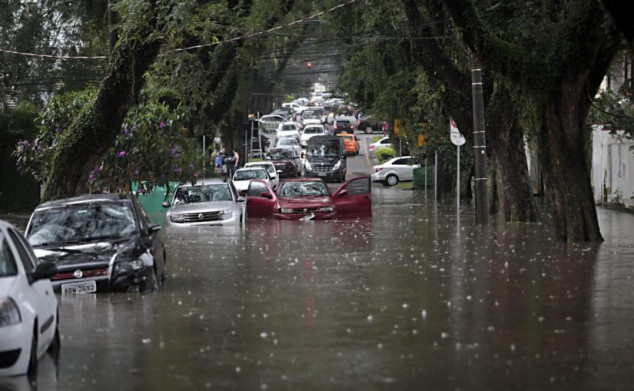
(102, 242)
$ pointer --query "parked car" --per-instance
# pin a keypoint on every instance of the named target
(268, 166)
(382, 143)
(285, 161)
(310, 131)
(342, 126)
(208, 202)
(288, 129)
(369, 124)
(243, 176)
(310, 198)
(395, 170)
(99, 242)
(351, 143)
(270, 122)
(28, 306)
(288, 143)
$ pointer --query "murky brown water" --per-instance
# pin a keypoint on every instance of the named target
(415, 298)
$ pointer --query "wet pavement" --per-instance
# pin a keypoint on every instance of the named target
(417, 297)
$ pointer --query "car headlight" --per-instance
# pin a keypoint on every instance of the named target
(308, 166)
(125, 267)
(177, 218)
(337, 165)
(9, 312)
(325, 209)
(226, 214)
(286, 210)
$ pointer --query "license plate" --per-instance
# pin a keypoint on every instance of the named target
(79, 287)
(321, 174)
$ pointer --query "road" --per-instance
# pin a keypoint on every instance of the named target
(417, 297)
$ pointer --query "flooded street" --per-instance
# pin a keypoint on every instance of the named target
(414, 298)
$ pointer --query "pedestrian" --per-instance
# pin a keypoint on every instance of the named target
(218, 162)
(236, 159)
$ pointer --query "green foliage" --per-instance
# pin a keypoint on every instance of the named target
(615, 111)
(384, 154)
(152, 146)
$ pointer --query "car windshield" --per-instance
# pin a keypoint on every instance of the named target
(330, 149)
(303, 189)
(288, 127)
(245, 175)
(280, 155)
(286, 141)
(203, 193)
(269, 167)
(313, 130)
(81, 222)
(8, 266)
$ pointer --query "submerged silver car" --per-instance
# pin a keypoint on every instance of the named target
(209, 202)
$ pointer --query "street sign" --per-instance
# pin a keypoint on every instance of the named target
(456, 137)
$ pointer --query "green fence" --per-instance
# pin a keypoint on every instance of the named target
(419, 182)
(153, 202)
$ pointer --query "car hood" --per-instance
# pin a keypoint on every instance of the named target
(304, 202)
(322, 159)
(102, 251)
(199, 207)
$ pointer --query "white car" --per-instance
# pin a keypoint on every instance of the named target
(208, 202)
(288, 129)
(28, 306)
(395, 170)
(270, 122)
(270, 167)
(382, 143)
(310, 131)
(289, 143)
(243, 176)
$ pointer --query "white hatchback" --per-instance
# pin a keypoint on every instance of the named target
(270, 167)
(28, 306)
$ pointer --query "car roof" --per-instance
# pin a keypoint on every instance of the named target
(86, 198)
(251, 168)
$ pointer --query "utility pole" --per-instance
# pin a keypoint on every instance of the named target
(479, 146)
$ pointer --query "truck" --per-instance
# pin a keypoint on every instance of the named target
(326, 158)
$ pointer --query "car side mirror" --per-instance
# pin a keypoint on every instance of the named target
(343, 193)
(266, 194)
(241, 199)
(154, 228)
(165, 204)
(45, 270)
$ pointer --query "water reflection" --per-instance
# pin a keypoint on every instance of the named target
(416, 297)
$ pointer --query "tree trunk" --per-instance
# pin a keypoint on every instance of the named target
(567, 175)
(96, 127)
(512, 196)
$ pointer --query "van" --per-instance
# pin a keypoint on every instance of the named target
(326, 158)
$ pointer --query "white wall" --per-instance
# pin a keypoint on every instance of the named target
(612, 166)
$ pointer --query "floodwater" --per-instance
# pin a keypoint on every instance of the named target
(416, 298)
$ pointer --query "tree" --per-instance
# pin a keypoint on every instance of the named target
(554, 58)
(96, 126)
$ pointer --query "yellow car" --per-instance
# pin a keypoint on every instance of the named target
(351, 142)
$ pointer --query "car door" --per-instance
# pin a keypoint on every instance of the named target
(261, 199)
(353, 198)
(401, 167)
(39, 294)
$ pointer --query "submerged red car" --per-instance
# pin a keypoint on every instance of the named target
(310, 198)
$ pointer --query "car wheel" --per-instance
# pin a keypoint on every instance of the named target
(32, 368)
(368, 129)
(391, 180)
